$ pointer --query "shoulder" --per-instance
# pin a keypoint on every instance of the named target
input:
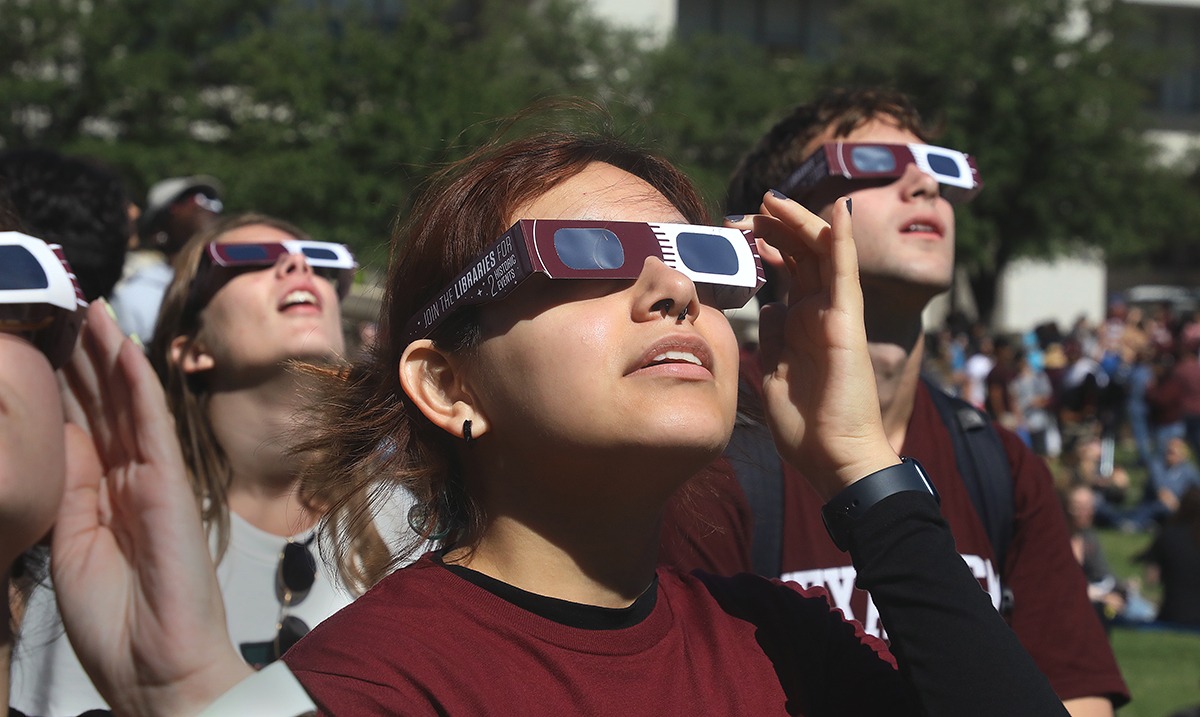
(399, 622)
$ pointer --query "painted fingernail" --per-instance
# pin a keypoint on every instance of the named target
(778, 194)
(849, 205)
(137, 341)
(734, 218)
(108, 309)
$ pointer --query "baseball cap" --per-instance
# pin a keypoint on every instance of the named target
(166, 192)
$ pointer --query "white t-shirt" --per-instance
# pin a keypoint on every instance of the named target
(977, 369)
(48, 680)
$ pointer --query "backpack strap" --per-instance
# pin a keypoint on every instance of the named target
(759, 470)
(983, 464)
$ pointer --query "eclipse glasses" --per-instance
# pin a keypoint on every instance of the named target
(955, 172)
(40, 298)
(327, 259)
(722, 262)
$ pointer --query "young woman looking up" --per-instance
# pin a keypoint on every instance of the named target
(544, 432)
(250, 296)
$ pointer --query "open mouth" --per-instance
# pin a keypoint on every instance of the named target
(299, 297)
(921, 228)
(675, 357)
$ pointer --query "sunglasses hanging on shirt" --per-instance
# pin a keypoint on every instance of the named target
(295, 574)
(722, 262)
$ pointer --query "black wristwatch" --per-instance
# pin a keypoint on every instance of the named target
(847, 507)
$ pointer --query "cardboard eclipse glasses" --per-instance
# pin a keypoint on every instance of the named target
(955, 172)
(722, 262)
(327, 259)
(40, 298)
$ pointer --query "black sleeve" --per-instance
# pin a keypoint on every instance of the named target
(950, 643)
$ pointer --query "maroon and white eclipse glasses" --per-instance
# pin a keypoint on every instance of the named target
(955, 172)
(722, 262)
(40, 298)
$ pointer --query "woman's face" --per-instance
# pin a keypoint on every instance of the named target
(607, 366)
(32, 462)
(263, 317)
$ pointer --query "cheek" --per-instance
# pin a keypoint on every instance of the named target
(544, 366)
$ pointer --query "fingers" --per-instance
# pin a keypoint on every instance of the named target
(820, 258)
(153, 426)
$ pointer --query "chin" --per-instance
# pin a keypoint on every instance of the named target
(690, 433)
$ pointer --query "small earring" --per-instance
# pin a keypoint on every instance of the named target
(467, 431)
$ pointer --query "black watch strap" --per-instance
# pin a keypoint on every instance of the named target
(841, 513)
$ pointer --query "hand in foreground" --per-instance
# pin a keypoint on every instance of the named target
(130, 562)
(819, 386)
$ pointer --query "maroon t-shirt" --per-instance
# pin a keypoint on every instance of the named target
(427, 641)
(1051, 614)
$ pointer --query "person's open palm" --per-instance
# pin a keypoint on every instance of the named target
(130, 563)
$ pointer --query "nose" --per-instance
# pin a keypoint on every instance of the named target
(662, 292)
(292, 264)
(916, 184)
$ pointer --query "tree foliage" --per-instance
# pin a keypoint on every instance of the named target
(331, 112)
(327, 114)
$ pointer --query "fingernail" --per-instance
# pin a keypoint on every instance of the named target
(137, 341)
(734, 218)
(108, 309)
(849, 205)
(778, 194)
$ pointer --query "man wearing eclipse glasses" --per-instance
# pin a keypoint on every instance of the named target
(870, 145)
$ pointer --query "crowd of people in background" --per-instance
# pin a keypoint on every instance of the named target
(1102, 402)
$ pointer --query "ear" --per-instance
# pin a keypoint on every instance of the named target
(190, 355)
(435, 383)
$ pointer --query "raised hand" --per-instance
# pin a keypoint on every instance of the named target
(819, 387)
(130, 563)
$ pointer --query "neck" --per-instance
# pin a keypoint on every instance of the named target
(896, 343)
(253, 423)
(593, 542)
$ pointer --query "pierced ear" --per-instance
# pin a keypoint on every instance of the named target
(434, 382)
(190, 355)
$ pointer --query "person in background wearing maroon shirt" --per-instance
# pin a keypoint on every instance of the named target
(905, 239)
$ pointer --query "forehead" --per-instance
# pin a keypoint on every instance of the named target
(254, 234)
(876, 129)
(601, 192)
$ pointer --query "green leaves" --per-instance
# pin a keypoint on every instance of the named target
(330, 114)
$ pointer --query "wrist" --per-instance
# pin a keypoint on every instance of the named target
(842, 513)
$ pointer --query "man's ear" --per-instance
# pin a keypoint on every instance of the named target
(434, 382)
(189, 354)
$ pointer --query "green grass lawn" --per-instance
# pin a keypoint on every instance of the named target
(1161, 667)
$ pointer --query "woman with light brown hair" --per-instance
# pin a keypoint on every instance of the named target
(251, 295)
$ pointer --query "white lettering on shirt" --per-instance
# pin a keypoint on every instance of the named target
(839, 583)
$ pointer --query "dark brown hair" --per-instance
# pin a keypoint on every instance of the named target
(370, 439)
(781, 150)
